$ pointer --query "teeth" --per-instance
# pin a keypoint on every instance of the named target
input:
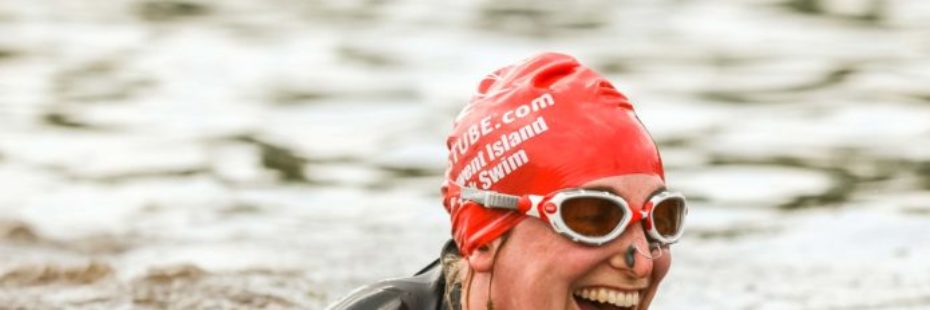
(605, 295)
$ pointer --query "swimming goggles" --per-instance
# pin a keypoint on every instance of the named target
(593, 217)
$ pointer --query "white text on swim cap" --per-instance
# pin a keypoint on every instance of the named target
(488, 124)
(503, 169)
(511, 140)
(496, 150)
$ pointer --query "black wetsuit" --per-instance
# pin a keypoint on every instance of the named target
(425, 290)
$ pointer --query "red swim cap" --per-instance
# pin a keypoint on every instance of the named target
(535, 127)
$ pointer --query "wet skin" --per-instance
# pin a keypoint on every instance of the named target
(537, 268)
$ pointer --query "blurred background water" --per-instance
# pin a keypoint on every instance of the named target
(278, 153)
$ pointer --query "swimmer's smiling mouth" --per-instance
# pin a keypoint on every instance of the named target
(605, 298)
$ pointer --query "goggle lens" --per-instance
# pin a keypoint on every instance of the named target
(668, 216)
(591, 216)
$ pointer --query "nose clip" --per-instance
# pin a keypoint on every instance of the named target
(655, 251)
(630, 256)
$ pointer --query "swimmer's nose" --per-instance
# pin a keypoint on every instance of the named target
(627, 256)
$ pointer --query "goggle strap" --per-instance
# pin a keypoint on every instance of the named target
(491, 199)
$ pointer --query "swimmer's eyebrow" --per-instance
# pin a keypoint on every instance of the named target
(658, 190)
(602, 188)
(612, 191)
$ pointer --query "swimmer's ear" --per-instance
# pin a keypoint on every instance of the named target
(482, 258)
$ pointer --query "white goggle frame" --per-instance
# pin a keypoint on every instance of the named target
(550, 209)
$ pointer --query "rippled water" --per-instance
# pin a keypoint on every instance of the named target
(197, 154)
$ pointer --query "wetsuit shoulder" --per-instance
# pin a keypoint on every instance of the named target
(423, 291)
